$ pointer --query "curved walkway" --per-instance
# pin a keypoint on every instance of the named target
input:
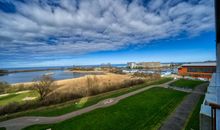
(22, 122)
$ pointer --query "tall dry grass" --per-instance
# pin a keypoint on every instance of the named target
(91, 81)
(91, 85)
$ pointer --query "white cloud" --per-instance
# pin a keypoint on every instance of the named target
(72, 27)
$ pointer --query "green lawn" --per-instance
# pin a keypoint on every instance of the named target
(186, 83)
(143, 111)
(16, 97)
(63, 108)
(193, 123)
(162, 81)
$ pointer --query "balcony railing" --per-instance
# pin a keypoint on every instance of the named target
(214, 107)
(210, 109)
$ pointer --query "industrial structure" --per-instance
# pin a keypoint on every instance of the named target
(210, 109)
(198, 70)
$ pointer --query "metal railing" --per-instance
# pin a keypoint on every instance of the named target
(214, 107)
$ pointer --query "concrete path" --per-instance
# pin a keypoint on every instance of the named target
(187, 90)
(178, 119)
(22, 122)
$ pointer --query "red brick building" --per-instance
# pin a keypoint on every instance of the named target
(198, 70)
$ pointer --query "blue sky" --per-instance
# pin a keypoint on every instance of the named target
(81, 32)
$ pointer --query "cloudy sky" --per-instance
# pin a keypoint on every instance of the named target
(67, 32)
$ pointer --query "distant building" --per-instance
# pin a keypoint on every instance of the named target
(143, 65)
(165, 65)
(131, 65)
(197, 70)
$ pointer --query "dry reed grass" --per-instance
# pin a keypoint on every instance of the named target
(94, 81)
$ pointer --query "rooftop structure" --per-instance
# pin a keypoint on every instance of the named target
(201, 64)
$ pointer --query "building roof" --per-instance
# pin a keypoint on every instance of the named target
(201, 64)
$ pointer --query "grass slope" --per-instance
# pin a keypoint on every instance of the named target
(63, 108)
(193, 123)
(146, 111)
(16, 97)
(186, 83)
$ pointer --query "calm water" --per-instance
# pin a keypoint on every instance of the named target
(30, 76)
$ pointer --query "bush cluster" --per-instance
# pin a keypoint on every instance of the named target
(92, 88)
(3, 87)
(146, 75)
(7, 88)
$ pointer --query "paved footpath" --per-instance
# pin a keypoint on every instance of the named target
(22, 122)
(178, 119)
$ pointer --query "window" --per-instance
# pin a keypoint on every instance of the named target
(201, 69)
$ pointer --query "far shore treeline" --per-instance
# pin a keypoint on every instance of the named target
(4, 71)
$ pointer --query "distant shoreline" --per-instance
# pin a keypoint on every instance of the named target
(64, 70)
(90, 71)
(4, 72)
(35, 70)
(57, 81)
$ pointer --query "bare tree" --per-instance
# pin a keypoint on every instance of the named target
(43, 86)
